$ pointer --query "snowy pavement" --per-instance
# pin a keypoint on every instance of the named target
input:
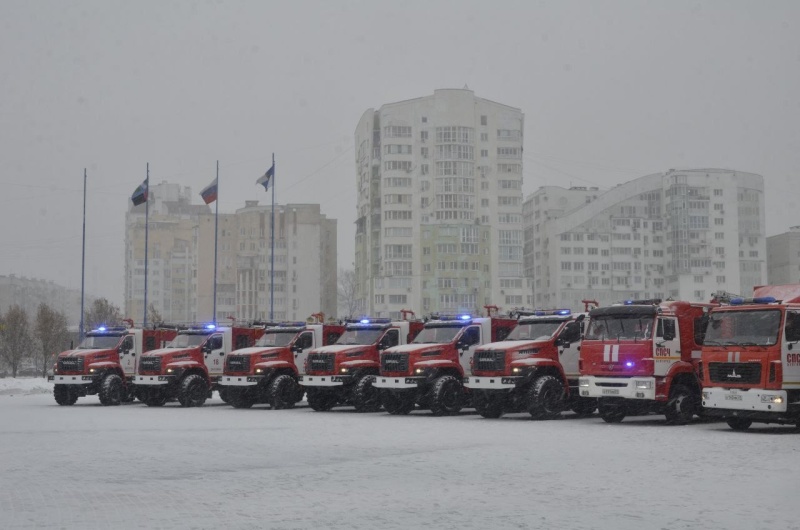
(89, 466)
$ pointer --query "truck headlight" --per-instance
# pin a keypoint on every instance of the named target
(644, 385)
(93, 370)
(419, 371)
(583, 383)
(771, 399)
(516, 370)
(344, 370)
(259, 370)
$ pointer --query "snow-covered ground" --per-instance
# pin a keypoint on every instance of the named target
(89, 466)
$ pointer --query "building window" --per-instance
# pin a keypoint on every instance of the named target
(484, 137)
(484, 120)
(484, 153)
(397, 131)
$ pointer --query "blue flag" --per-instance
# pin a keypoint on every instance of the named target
(266, 179)
(140, 194)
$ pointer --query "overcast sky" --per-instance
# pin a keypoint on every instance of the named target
(611, 91)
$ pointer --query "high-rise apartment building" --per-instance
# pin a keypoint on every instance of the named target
(783, 257)
(181, 260)
(680, 234)
(439, 227)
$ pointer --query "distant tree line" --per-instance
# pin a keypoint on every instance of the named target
(31, 343)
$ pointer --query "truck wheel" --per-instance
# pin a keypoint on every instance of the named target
(193, 391)
(739, 424)
(111, 390)
(681, 405)
(447, 396)
(64, 395)
(397, 403)
(224, 394)
(320, 400)
(584, 406)
(239, 398)
(487, 405)
(546, 398)
(366, 397)
(612, 411)
(282, 392)
(153, 397)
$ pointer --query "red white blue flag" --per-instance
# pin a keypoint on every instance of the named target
(140, 194)
(209, 193)
(266, 179)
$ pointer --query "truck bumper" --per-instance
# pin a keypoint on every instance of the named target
(240, 380)
(617, 387)
(754, 400)
(147, 380)
(73, 379)
(492, 383)
(398, 383)
(325, 380)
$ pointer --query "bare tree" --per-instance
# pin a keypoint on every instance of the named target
(15, 339)
(348, 289)
(103, 313)
(52, 337)
(153, 316)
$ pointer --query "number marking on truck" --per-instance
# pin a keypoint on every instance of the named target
(611, 391)
(733, 397)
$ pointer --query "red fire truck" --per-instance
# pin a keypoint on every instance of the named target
(642, 356)
(429, 372)
(189, 367)
(269, 372)
(751, 359)
(345, 373)
(105, 363)
(535, 369)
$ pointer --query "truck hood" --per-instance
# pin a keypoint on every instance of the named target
(85, 353)
(336, 348)
(508, 345)
(418, 348)
(164, 352)
(258, 350)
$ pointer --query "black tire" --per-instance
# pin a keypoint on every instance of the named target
(112, 390)
(397, 403)
(739, 424)
(612, 411)
(240, 398)
(224, 394)
(584, 407)
(65, 395)
(366, 398)
(546, 398)
(320, 400)
(487, 404)
(447, 396)
(283, 392)
(193, 391)
(153, 397)
(681, 405)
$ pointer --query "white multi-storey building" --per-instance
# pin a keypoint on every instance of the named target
(680, 234)
(439, 227)
(181, 260)
(783, 257)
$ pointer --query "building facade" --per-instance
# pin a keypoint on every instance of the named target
(29, 293)
(181, 261)
(783, 257)
(439, 226)
(680, 234)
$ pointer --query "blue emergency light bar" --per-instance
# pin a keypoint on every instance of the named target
(369, 321)
(552, 312)
(756, 300)
(651, 301)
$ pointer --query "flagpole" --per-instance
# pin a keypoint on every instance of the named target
(216, 231)
(146, 233)
(83, 259)
(272, 248)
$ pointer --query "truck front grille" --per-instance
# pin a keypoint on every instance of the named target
(150, 364)
(70, 364)
(746, 373)
(238, 363)
(490, 361)
(394, 362)
(321, 362)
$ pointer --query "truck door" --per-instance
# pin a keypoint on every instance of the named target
(214, 354)
(127, 355)
(303, 344)
(666, 345)
(569, 348)
(467, 343)
(790, 350)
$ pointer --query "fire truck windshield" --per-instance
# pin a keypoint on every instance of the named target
(534, 330)
(187, 341)
(743, 328)
(276, 338)
(360, 336)
(619, 327)
(437, 335)
(99, 342)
